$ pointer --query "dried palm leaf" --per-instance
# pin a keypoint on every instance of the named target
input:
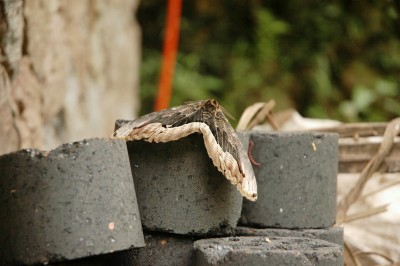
(366, 213)
(256, 114)
(392, 130)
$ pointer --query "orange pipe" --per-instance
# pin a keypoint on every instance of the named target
(171, 39)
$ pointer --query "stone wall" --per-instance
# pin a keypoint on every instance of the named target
(68, 70)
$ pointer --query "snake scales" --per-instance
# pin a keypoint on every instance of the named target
(220, 139)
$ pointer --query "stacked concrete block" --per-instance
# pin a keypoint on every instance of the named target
(296, 180)
(118, 258)
(177, 178)
(293, 216)
(72, 202)
(164, 249)
(297, 173)
(76, 205)
(330, 234)
(296, 189)
(161, 249)
(180, 191)
(267, 251)
(182, 197)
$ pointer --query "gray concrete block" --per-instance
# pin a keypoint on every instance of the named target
(180, 191)
(119, 258)
(296, 180)
(330, 234)
(267, 251)
(164, 250)
(161, 249)
(77, 200)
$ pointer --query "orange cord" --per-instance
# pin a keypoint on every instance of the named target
(171, 39)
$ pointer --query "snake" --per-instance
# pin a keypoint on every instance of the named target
(206, 117)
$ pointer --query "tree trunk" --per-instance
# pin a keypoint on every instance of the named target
(68, 70)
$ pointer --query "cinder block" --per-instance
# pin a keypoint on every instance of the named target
(267, 251)
(161, 249)
(119, 258)
(77, 200)
(179, 190)
(331, 234)
(296, 180)
(164, 249)
(169, 249)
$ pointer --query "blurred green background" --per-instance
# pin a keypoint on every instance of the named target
(326, 59)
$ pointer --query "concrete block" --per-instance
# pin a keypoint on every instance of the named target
(330, 234)
(75, 201)
(296, 180)
(169, 249)
(267, 251)
(118, 258)
(161, 249)
(164, 249)
(179, 190)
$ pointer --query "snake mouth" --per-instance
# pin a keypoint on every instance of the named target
(250, 196)
(253, 197)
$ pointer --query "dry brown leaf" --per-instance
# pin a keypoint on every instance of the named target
(392, 130)
(256, 114)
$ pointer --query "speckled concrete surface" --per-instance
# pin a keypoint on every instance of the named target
(267, 251)
(180, 191)
(296, 180)
(330, 234)
(77, 200)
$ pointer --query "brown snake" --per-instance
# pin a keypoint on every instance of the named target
(206, 117)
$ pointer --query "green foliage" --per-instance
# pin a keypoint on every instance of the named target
(326, 59)
(188, 83)
(372, 103)
(268, 30)
(253, 66)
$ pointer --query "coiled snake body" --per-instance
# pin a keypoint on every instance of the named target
(220, 139)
